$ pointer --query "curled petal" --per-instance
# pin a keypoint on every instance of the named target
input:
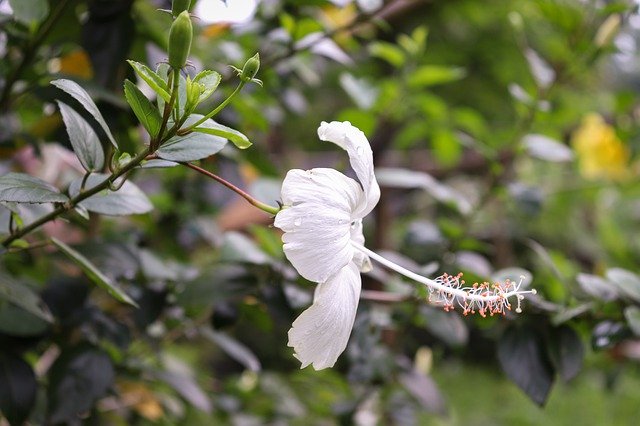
(352, 140)
(317, 221)
(320, 334)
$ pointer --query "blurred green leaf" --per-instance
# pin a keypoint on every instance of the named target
(627, 283)
(233, 348)
(632, 315)
(30, 11)
(21, 295)
(566, 352)
(127, 200)
(431, 75)
(18, 390)
(387, 52)
(94, 274)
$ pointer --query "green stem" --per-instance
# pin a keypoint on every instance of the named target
(215, 111)
(69, 205)
(262, 206)
(168, 108)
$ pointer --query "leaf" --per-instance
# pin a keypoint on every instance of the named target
(542, 73)
(524, 362)
(632, 314)
(597, 287)
(545, 148)
(187, 387)
(403, 178)
(21, 295)
(15, 321)
(359, 90)
(388, 52)
(147, 114)
(627, 283)
(129, 199)
(209, 80)
(566, 352)
(233, 348)
(93, 273)
(445, 326)
(210, 127)
(79, 94)
(194, 146)
(84, 139)
(425, 391)
(431, 75)
(18, 388)
(157, 164)
(76, 381)
(239, 248)
(22, 188)
(30, 11)
(152, 79)
(607, 334)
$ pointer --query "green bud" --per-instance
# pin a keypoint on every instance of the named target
(180, 37)
(250, 68)
(179, 6)
(194, 90)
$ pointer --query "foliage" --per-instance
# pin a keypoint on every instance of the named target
(135, 289)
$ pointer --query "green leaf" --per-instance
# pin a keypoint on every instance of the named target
(15, 321)
(597, 287)
(387, 52)
(632, 314)
(143, 108)
(431, 75)
(212, 128)
(152, 79)
(79, 94)
(93, 273)
(566, 352)
(22, 188)
(84, 139)
(233, 348)
(30, 11)
(627, 283)
(18, 390)
(210, 80)
(129, 199)
(21, 295)
(524, 362)
(194, 146)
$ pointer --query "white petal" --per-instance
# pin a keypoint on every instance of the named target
(317, 221)
(320, 334)
(360, 259)
(352, 140)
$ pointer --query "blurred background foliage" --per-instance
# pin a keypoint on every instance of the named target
(506, 138)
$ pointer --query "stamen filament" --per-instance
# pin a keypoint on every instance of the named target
(447, 289)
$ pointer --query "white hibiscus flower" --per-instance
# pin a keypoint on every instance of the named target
(322, 222)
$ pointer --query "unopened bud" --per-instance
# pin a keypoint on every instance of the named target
(179, 6)
(180, 37)
(250, 68)
(194, 90)
(607, 30)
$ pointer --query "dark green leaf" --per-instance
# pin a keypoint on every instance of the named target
(94, 274)
(18, 388)
(21, 295)
(30, 11)
(233, 348)
(210, 80)
(212, 128)
(84, 139)
(22, 188)
(147, 114)
(194, 146)
(77, 381)
(15, 321)
(79, 94)
(152, 79)
(525, 363)
(129, 199)
(566, 352)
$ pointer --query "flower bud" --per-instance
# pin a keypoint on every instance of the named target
(180, 37)
(179, 6)
(250, 68)
(194, 90)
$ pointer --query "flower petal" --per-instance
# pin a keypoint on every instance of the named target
(352, 140)
(317, 221)
(320, 334)
(360, 259)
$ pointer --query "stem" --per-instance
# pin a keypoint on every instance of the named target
(462, 294)
(215, 111)
(262, 206)
(30, 52)
(63, 208)
(168, 108)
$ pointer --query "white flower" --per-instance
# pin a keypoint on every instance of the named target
(322, 222)
(321, 219)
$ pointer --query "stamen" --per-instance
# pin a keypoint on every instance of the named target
(450, 291)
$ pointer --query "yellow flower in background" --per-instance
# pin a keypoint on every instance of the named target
(601, 154)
